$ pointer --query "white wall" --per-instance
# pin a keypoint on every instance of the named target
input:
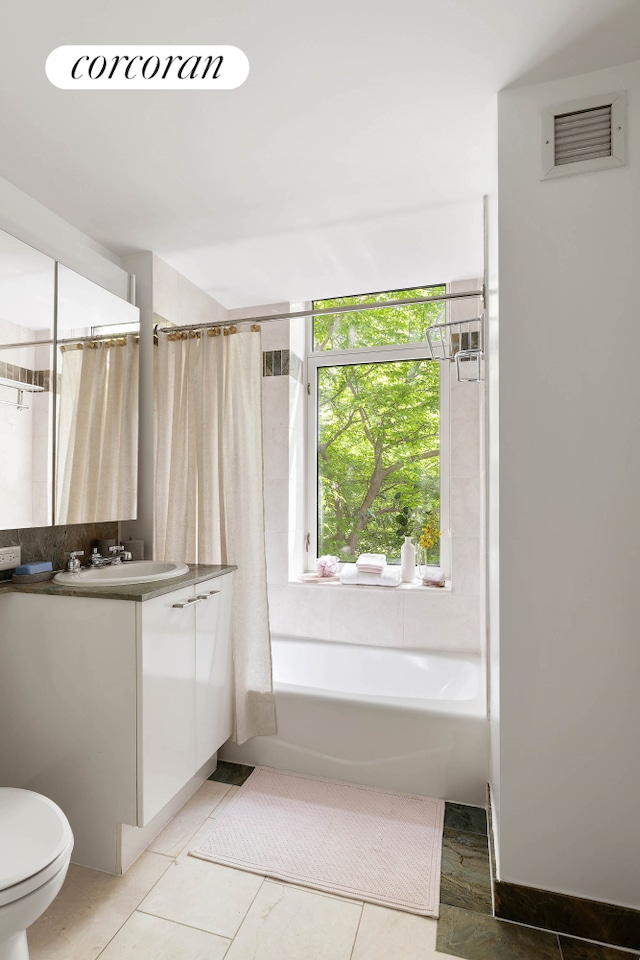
(492, 493)
(569, 519)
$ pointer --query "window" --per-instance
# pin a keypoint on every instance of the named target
(376, 419)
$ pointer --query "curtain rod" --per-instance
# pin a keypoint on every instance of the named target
(355, 308)
(48, 343)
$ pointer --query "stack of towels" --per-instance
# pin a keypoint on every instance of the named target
(371, 569)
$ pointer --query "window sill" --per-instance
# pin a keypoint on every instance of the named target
(335, 584)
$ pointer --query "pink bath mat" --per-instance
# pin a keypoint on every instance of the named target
(341, 838)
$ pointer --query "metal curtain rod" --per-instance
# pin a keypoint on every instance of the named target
(48, 343)
(355, 308)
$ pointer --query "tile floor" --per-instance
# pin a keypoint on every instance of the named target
(170, 906)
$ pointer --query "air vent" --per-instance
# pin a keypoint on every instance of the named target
(584, 136)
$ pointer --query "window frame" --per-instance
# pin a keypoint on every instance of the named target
(386, 353)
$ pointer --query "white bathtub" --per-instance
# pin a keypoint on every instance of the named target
(404, 720)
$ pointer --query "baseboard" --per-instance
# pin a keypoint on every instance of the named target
(605, 923)
(588, 919)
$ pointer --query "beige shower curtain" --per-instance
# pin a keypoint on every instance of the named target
(97, 437)
(209, 503)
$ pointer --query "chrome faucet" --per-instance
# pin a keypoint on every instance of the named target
(73, 564)
(118, 554)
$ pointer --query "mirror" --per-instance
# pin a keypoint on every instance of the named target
(97, 415)
(68, 395)
(27, 284)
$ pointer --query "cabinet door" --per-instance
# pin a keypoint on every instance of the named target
(167, 719)
(214, 679)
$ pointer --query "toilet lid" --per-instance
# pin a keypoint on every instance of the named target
(33, 832)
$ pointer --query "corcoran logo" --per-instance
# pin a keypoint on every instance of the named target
(113, 67)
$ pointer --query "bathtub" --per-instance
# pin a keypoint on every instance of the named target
(412, 721)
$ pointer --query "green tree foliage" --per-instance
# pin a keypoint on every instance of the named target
(378, 430)
(376, 328)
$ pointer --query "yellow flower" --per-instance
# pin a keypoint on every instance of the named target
(429, 535)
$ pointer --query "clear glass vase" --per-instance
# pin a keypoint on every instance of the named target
(423, 561)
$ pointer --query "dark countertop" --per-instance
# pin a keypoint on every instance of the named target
(130, 591)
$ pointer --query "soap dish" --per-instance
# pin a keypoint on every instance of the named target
(33, 577)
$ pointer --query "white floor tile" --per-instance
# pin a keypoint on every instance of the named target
(286, 923)
(90, 909)
(182, 827)
(228, 797)
(144, 936)
(205, 828)
(385, 933)
(204, 895)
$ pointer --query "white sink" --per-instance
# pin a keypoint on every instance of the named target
(120, 574)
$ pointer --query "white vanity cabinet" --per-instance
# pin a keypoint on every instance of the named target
(214, 667)
(115, 708)
(184, 697)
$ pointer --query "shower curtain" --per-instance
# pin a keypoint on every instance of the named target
(97, 437)
(209, 503)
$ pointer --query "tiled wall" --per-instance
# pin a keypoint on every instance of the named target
(282, 363)
(412, 617)
(36, 378)
(52, 543)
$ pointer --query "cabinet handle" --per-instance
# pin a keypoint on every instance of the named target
(201, 596)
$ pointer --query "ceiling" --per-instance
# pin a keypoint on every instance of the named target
(354, 157)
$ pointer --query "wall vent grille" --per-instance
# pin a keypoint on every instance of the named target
(584, 136)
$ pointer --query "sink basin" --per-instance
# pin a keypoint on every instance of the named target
(120, 574)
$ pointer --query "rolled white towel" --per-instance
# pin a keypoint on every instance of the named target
(371, 562)
(390, 576)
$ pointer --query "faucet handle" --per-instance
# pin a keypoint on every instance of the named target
(73, 564)
(117, 549)
(75, 553)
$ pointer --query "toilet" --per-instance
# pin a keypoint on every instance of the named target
(35, 849)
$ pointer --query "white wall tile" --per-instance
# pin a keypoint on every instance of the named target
(275, 401)
(465, 449)
(276, 505)
(465, 401)
(297, 506)
(277, 547)
(297, 610)
(437, 620)
(465, 561)
(275, 333)
(465, 508)
(370, 615)
(276, 452)
(195, 306)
